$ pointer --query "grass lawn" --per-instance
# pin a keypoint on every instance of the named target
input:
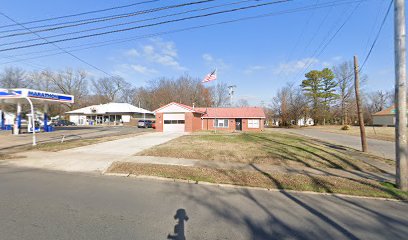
(58, 146)
(299, 182)
(380, 133)
(268, 149)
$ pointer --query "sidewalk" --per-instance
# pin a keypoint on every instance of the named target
(91, 158)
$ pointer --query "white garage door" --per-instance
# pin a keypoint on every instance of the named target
(173, 122)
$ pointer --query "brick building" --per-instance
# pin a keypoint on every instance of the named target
(176, 117)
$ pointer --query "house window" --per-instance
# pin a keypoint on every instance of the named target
(253, 123)
(221, 123)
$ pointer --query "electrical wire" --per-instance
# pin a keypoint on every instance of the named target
(74, 56)
(141, 26)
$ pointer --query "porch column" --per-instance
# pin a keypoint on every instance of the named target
(46, 117)
(17, 124)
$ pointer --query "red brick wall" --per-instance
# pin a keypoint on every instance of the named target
(196, 122)
(246, 129)
(209, 125)
(159, 122)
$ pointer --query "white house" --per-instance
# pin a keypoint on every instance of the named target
(385, 117)
(110, 113)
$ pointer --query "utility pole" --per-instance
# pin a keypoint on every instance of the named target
(401, 148)
(359, 105)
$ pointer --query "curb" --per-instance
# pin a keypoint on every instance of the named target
(163, 179)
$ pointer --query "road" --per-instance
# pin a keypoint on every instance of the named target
(11, 143)
(376, 147)
(36, 204)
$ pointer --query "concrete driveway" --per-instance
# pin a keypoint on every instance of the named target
(91, 158)
(379, 148)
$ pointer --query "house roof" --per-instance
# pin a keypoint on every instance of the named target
(239, 112)
(110, 108)
(186, 107)
(385, 112)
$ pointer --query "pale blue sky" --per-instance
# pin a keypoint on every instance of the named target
(258, 55)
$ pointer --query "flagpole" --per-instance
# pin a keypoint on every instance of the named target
(215, 109)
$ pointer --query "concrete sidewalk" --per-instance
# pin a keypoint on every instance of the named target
(91, 158)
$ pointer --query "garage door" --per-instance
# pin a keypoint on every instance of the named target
(173, 122)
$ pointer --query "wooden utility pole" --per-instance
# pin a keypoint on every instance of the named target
(401, 148)
(359, 105)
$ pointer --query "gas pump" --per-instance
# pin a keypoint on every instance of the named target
(37, 126)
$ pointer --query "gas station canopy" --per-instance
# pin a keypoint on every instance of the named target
(13, 96)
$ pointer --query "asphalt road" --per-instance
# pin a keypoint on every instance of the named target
(376, 147)
(35, 204)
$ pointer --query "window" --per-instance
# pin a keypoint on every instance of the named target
(221, 123)
(180, 121)
(253, 123)
(167, 121)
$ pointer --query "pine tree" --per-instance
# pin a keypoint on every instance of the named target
(328, 93)
(312, 86)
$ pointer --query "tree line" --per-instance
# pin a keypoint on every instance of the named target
(91, 91)
(327, 96)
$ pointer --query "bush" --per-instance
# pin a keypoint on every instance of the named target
(345, 127)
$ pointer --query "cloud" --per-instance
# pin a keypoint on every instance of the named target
(142, 69)
(295, 66)
(252, 69)
(132, 53)
(162, 52)
(212, 62)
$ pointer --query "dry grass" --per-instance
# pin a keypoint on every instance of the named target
(58, 146)
(325, 184)
(379, 133)
(270, 148)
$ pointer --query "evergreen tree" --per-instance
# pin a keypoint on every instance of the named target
(312, 86)
(328, 93)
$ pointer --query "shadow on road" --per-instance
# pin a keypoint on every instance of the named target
(179, 234)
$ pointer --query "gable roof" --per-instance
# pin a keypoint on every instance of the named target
(109, 108)
(240, 112)
(186, 107)
(385, 112)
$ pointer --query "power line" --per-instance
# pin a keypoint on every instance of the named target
(108, 18)
(80, 14)
(378, 35)
(142, 26)
(323, 47)
(126, 23)
(118, 41)
(76, 57)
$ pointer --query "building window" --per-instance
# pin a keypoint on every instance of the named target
(253, 123)
(221, 123)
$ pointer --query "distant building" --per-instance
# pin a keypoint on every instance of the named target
(385, 117)
(109, 114)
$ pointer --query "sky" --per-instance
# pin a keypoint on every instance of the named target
(257, 54)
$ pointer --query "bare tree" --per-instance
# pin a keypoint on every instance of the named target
(109, 89)
(220, 95)
(345, 86)
(13, 77)
(70, 82)
(378, 101)
(242, 103)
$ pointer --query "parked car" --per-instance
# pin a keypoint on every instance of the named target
(144, 123)
(154, 124)
(62, 123)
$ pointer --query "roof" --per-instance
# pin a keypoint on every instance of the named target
(238, 112)
(186, 107)
(110, 108)
(385, 112)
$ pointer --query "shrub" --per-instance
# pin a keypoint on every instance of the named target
(346, 127)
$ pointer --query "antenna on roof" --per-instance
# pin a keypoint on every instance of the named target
(231, 93)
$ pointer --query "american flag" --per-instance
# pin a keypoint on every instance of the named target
(210, 77)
